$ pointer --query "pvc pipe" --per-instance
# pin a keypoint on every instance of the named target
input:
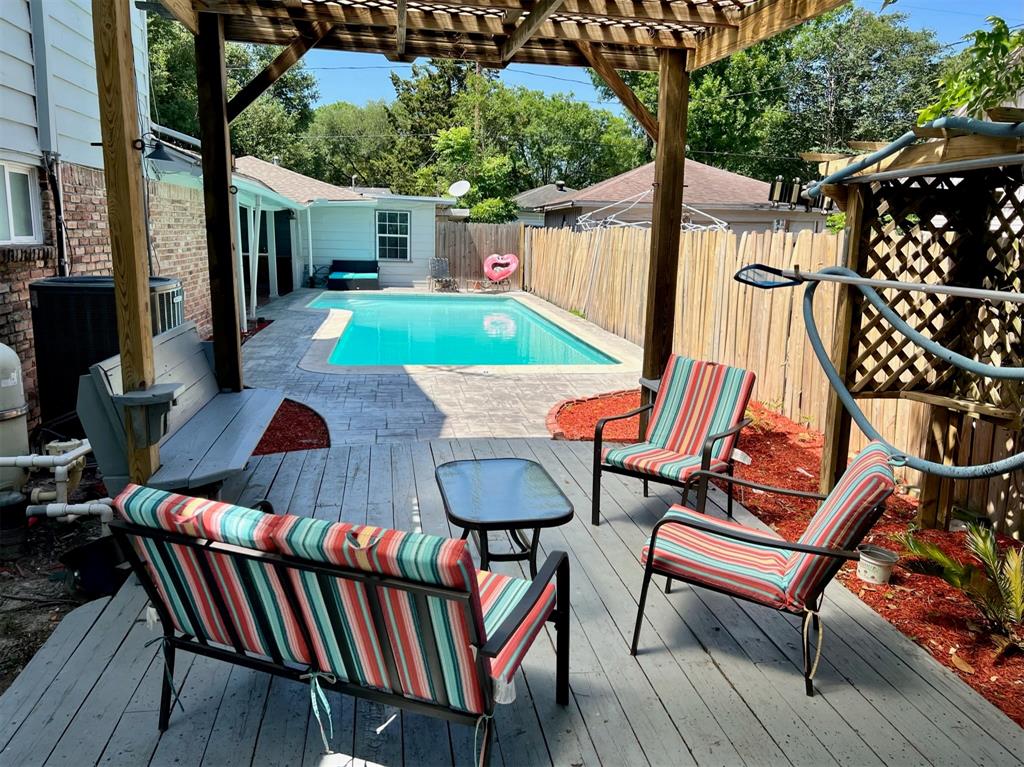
(100, 508)
(36, 461)
(969, 124)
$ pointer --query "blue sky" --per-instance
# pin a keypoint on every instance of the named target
(361, 77)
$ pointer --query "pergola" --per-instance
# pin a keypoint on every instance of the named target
(671, 37)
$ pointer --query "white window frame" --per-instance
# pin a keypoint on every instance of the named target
(407, 236)
(36, 237)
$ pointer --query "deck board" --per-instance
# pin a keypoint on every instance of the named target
(717, 681)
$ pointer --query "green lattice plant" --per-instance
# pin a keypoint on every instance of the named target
(994, 582)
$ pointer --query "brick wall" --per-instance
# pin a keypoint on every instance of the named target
(178, 237)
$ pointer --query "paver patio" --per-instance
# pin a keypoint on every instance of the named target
(396, 407)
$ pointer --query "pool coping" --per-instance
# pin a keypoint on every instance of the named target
(324, 339)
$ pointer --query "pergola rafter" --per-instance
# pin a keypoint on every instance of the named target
(671, 37)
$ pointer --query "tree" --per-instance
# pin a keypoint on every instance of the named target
(345, 140)
(859, 75)
(989, 72)
(266, 129)
(848, 75)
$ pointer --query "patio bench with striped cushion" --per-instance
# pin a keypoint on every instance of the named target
(396, 617)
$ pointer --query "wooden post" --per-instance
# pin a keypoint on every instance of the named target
(240, 215)
(255, 225)
(836, 452)
(126, 211)
(673, 99)
(272, 252)
(220, 208)
(936, 501)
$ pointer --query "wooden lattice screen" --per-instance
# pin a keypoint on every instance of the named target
(960, 229)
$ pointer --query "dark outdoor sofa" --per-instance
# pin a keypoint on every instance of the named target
(350, 274)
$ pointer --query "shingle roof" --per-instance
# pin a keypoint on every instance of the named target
(541, 195)
(293, 185)
(704, 185)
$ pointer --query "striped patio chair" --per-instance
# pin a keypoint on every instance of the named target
(695, 424)
(762, 567)
(394, 617)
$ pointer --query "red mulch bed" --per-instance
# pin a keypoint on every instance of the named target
(294, 427)
(925, 608)
(254, 329)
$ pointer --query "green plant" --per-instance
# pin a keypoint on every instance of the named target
(835, 222)
(994, 583)
(579, 313)
(989, 72)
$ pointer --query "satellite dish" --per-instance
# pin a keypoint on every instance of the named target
(459, 188)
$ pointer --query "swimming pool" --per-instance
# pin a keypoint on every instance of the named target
(451, 330)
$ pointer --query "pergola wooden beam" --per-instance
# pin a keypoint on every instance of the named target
(646, 12)
(126, 212)
(624, 93)
(526, 28)
(419, 24)
(401, 26)
(760, 21)
(285, 60)
(183, 11)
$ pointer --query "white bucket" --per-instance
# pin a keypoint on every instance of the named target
(875, 564)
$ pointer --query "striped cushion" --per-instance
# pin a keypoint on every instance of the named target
(499, 594)
(843, 519)
(197, 517)
(695, 399)
(755, 572)
(650, 459)
(414, 556)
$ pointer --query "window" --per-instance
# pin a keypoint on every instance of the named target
(19, 204)
(393, 235)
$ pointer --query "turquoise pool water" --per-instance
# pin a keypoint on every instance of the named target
(452, 330)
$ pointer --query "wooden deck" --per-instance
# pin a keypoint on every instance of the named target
(717, 681)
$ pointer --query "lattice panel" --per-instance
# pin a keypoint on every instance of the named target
(961, 230)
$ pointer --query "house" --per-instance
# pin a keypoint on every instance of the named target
(531, 202)
(336, 222)
(710, 195)
(53, 214)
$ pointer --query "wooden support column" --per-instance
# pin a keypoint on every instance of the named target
(220, 207)
(838, 424)
(272, 252)
(126, 211)
(255, 225)
(673, 100)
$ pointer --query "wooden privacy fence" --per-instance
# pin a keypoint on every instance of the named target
(467, 245)
(603, 276)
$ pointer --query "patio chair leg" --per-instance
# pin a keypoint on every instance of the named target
(595, 509)
(640, 610)
(686, 495)
(668, 585)
(645, 489)
(562, 635)
(728, 491)
(166, 689)
(805, 635)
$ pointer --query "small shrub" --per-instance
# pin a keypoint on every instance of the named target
(994, 583)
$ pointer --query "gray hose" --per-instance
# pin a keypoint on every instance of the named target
(980, 471)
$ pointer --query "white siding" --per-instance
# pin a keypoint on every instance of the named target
(71, 65)
(348, 232)
(19, 139)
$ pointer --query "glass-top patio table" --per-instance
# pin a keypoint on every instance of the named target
(508, 494)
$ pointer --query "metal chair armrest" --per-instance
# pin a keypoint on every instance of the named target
(555, 566)
(709, 442)
(704, 475)
(651, 384)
